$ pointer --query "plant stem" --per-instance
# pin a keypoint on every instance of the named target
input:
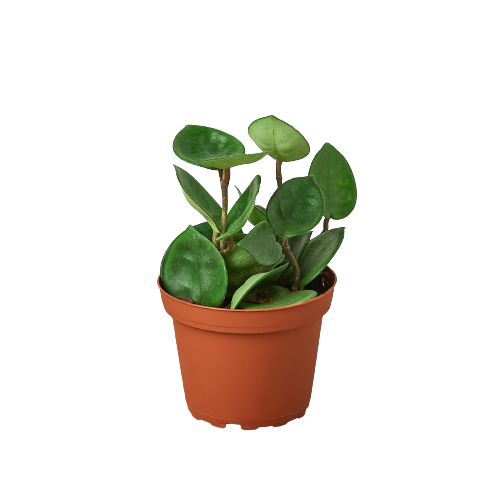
(279, 178)
(325, 225)
(296, 269)
(229, 246)
(224, 175)
(214, 238)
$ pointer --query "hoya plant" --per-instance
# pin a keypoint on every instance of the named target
(277, 263)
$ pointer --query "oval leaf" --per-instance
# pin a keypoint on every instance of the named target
(279, 138)
(258, 213)
(242, 209)
(225, 162)
(192, 267)
(199, 198)
(261, 244)
(263, 278)
(196, 144)
(335, 178)
(275, 296)
(319, 253)
(295, 207)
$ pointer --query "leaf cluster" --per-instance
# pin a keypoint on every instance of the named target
(217, 265)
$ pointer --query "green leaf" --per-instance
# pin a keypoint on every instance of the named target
(298, 244)
(205, 230)
(319, 253)
(295, 207)
(240, 266)
(242, 209)
(225, 162)
(237, 237)
(279, 138)
(335, 178)
(261, 244)
(275, 296)
(263, 278)
(193, 267)
(199, 198)
(258, 213)
(211, 148)
(196, 144)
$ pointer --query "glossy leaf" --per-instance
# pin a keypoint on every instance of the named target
(261, 244)
(242, 209)
(319, 253)
(205, 230)
(211, 148)
(240, 266)
(265, 279)
(283, 142)
(193, 267)
(196, 144)
(335, 178)
(295, 207)
(298, 244)
(199, 198)
(225, 162)
(258, 213)
(275, 296)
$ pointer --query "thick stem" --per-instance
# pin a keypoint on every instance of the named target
(296, 269)
(229, 246)
(224, 183)
(279, 178)
(325, 225)
(215, 235)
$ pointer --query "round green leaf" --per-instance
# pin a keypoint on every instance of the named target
(295, 207)
(199, 198)
(279, 138)
(262, 278)
(318, 253)
(242, 209)
(261, 244)
(193, 267)
(275, 296)
(196, 144)
(335, 178)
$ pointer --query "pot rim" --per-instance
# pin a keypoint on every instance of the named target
(318, 297)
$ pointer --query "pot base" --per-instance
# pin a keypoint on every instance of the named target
(248, 425)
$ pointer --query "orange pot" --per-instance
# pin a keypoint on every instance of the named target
(253, 368)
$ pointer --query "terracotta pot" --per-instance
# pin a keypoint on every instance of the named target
(253, 368)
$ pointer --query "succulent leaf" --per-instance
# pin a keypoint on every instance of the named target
(261, 244)
(274, 296)
(225, 162)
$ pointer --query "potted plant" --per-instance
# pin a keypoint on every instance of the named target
(247, 308)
